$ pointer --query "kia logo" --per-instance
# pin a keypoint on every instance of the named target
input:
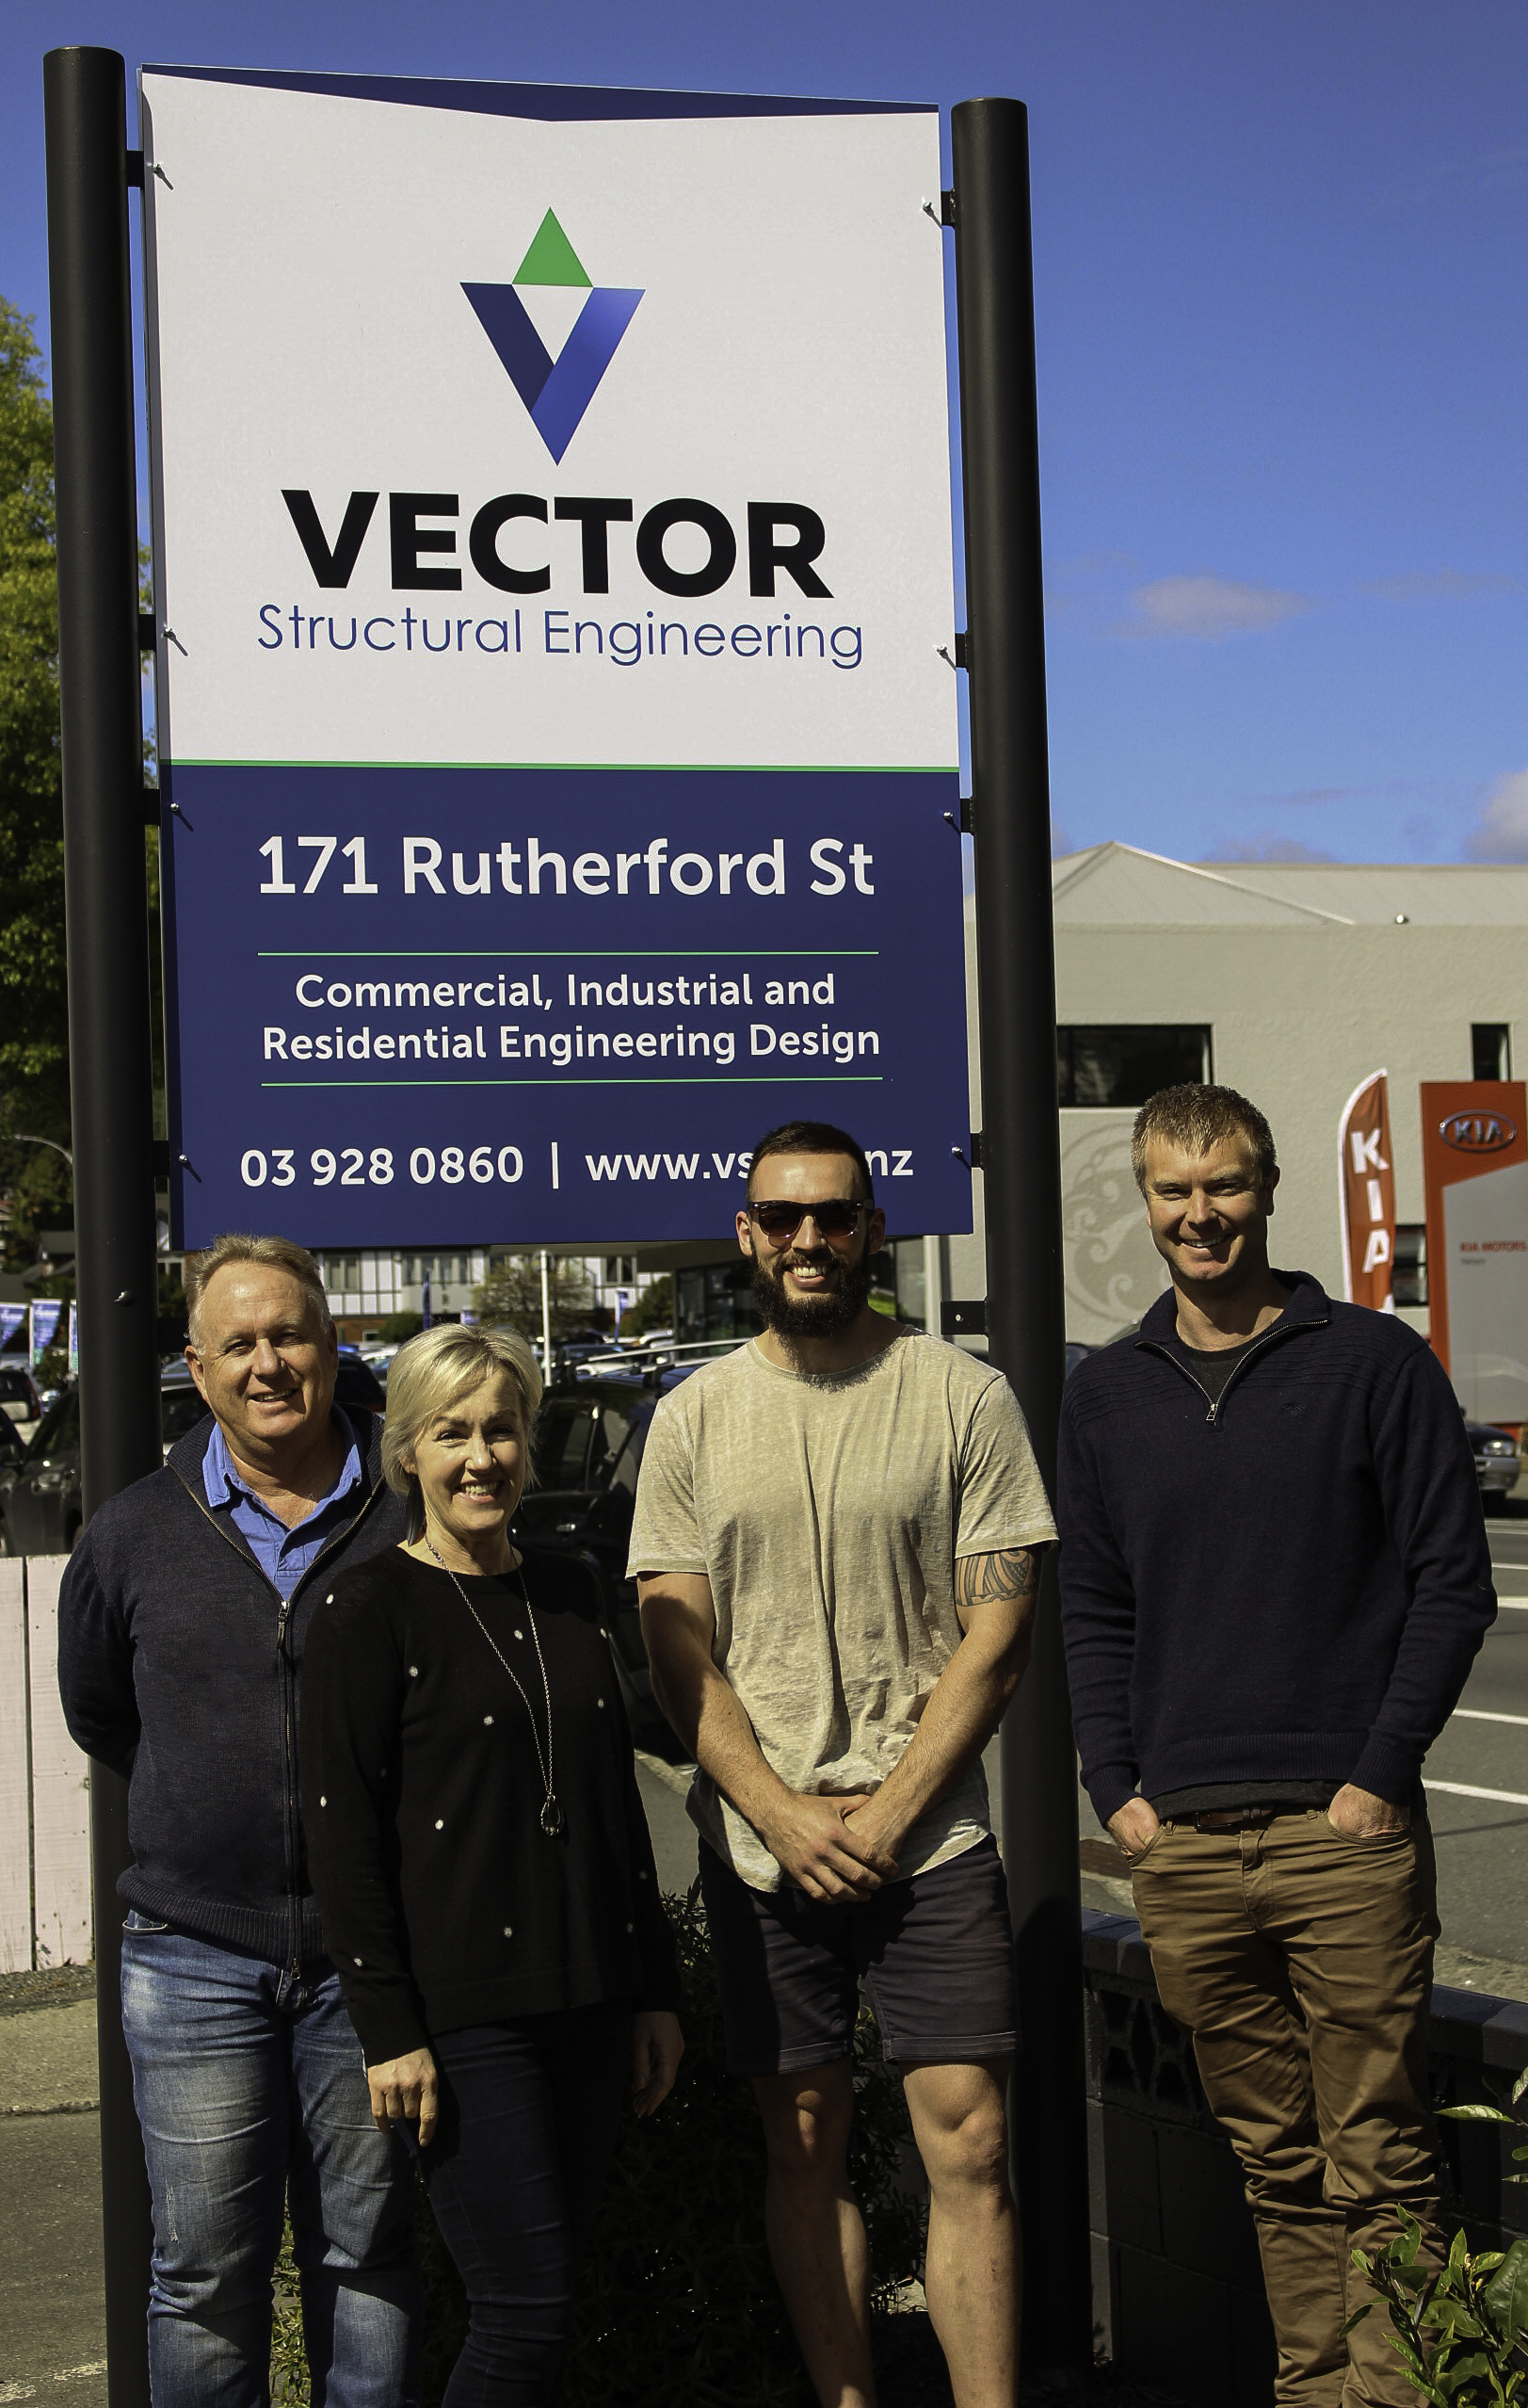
(1477, 1132)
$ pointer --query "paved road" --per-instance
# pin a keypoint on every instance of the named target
(1483, 1841)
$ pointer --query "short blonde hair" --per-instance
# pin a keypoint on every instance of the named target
(234, 1246)
(437, 1368)
(1197, 1118)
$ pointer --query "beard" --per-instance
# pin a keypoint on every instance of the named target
(817, 1316)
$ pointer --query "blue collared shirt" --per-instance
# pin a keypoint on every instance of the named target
(283, 1554)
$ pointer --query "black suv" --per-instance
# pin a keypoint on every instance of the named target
(40, 1485)
(585, 1452)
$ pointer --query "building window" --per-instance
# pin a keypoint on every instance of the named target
(1125, 1066)
(1491, 1049)
(1409, 1281)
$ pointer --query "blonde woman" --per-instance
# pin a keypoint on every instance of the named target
(481, 1859)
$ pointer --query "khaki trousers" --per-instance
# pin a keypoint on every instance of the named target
(1300, 1961)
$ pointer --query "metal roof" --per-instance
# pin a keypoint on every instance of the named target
(1123, 886)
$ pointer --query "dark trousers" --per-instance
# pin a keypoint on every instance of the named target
(528, 2122)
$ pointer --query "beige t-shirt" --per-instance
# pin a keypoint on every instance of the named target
(827, 1513)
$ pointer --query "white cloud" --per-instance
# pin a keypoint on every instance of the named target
(1207, 609)
(1442, 585)
(1269, 849)
(1500, 833)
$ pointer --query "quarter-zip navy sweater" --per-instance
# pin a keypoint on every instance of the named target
(1288, 1585)
(178, 1666)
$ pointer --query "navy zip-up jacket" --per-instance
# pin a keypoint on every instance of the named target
(1290, 1585)
(178, 1667)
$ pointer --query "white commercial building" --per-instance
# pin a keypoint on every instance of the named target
(1291, 983)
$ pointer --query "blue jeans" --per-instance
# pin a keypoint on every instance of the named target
(529, 2112)
(249, 2084)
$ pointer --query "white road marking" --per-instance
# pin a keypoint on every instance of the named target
(1513, 1605)
(1479, 1713)
(1463, 1790)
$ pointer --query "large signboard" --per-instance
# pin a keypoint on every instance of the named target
(1474, 1150)
(554, 585)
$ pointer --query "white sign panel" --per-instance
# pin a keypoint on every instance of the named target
(343, 304)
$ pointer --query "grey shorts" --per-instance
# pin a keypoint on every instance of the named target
(935, 1953)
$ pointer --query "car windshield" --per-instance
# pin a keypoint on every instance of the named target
(180, 1409)
(578, 1442)
(59, 1427)
(15, 1387)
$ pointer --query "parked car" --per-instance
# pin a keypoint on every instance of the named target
(1498, 1461)
(40, 1492)
(18, 1397)
(41, 1511)
(585, 1452)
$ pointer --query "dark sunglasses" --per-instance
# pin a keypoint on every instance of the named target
(833, 1218)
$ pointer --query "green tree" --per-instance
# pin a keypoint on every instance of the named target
(34, 1020)
(512, 1293)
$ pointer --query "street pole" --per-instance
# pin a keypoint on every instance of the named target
(107, 933)
(1021, 1179)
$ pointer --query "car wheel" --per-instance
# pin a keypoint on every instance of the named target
(71, 1536)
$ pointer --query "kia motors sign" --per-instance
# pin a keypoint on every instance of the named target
(1475, 1165)
(1478, 1132)
(555, 612)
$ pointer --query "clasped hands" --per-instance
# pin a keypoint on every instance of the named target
(837, 1849)
(406, 2089)
(1357, 1814)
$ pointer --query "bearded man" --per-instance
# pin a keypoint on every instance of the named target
(837, 1541)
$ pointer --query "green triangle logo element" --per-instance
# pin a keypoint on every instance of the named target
(551, 259)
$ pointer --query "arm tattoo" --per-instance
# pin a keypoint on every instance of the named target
(1009, 1572)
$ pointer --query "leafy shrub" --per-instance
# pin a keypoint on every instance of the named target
(1458, 2328)
(677, 2303)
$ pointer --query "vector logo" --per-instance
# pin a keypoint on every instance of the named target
(556, 392)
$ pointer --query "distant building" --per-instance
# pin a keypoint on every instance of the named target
(1291, 983)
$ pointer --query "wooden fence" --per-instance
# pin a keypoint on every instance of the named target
(44, 1782)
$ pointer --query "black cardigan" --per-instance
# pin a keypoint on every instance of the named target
(443, 1902)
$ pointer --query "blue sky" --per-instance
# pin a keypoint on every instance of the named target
(1284, 361)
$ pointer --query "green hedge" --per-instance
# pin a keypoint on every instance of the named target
(677, 2304)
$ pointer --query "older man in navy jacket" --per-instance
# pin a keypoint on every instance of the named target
(181, 1626)
(1274, 1578)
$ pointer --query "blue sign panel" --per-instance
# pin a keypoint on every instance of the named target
(473, 1006)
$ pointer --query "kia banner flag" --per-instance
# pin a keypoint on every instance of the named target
(1366, 1184)
(11, 1317)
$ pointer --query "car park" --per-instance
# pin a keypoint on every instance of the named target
(20, 1402)
(585, 1452)
(41, 1510)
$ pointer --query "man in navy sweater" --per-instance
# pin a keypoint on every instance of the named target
(1274, 1579)
(181, 1624)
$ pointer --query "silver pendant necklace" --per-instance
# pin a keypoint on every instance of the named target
(551, 1811)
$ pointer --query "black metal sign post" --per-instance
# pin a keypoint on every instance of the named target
(110, 1064)
(1020, 1167)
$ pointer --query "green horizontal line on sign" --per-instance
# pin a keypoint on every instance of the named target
(655, 769)
(575, 953)
(813, 1078)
